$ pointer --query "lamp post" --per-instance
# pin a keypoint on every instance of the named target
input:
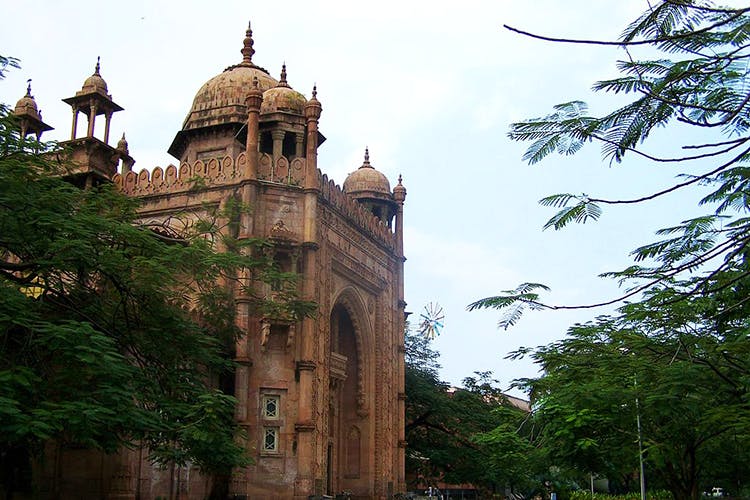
(640, 438)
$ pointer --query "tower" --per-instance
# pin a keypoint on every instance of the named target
(93, 159)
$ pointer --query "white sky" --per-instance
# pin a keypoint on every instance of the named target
(429, 86)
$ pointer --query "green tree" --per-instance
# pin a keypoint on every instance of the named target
(680, 349)
(674, 372)
(698, 85)
(112, 333)
(444, 424)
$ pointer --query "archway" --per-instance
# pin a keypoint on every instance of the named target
(348, 448)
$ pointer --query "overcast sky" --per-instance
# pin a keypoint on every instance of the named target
(429, 86)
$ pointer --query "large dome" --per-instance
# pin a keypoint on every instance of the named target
(367, 182)
(222, 98)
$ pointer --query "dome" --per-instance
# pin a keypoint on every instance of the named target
(367, 182)
(222, 98)
(27, 105)
(95, 83)
(283, 98)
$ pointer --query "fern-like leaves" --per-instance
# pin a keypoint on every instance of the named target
(514, 302)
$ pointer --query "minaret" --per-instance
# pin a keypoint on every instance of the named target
(92, 160)
(306, 364)
(399, 195)
(253, 102)
(30, 118)
(93, 100)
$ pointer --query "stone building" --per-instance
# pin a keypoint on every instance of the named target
(322, 400)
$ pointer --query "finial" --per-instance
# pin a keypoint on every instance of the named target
(399, 179)
(247, 46)
(96, 69)
(122, 144)
(28, 87)
(315, 91)
(282, 80)
(367, 158)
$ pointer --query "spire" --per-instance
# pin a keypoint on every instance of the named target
(366, 163)
(282, 79)
(247, 46)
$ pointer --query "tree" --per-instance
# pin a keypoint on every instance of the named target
(444, 424)
(680, 349)
(700, 83)
(674, 372)
(113, 334)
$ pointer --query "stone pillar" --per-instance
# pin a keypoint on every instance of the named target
(92, 118)
(107, 119)
(278, 144)
(299, 140)
(75, 123)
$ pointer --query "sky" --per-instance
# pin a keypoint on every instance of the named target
(431, 88)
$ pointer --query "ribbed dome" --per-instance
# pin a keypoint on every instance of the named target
(366, 181)
(283, 98)
(222, 98)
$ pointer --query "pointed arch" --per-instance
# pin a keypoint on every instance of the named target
(352, 302)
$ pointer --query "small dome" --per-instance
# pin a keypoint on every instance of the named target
(283, 98)
(222, 98)
(27, 105)
(367, 182)
(95, 83)
(122, 144)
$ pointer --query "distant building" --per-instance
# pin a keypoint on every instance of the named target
(323, 399)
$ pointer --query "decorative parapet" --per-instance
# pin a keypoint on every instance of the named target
(214, 172)
(282, 171)
(358, 214)
(226, 171)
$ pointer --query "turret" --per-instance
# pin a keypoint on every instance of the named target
(29, 116)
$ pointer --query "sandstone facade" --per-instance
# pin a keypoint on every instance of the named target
(322, 400)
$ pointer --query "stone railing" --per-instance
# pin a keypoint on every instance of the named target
(213, 172)
(362, 217)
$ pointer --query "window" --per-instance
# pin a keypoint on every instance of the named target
(271, 407)
(271, 422)
(270, 439)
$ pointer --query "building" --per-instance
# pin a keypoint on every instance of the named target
(322, 400)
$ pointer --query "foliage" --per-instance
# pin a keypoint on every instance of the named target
(586, 495)
(113, 333)
(678, 356)
(699, 82)
(678, 366)
(444, 425)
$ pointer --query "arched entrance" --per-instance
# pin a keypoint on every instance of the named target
(347, 446)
